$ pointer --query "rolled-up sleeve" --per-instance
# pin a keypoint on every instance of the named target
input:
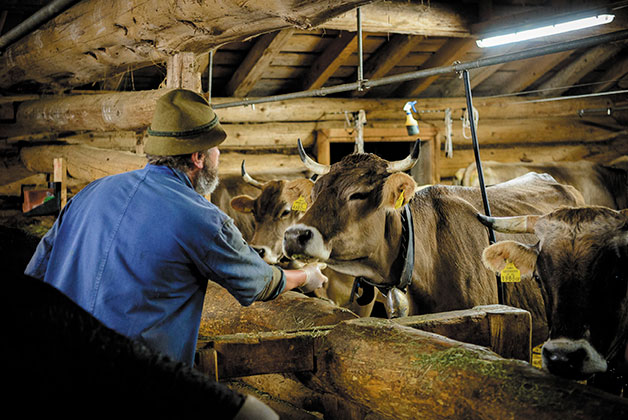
(233, 264)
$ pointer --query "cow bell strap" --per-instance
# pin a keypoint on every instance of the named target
(406, 252)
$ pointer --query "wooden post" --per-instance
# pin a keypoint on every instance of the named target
(60, 175)
(183, 72)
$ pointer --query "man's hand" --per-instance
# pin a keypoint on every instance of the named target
(314, 278)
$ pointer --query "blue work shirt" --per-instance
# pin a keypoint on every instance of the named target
(136, 250)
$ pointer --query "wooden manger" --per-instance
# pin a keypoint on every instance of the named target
(308, 358)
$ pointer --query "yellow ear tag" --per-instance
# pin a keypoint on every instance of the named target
(510, 273)
(299, 204)
(399, 201)
(537, 359)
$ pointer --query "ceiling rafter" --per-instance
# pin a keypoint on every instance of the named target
(257, 60)
(330, 60)
(532, 70)
(575, 71)
(618, 70)
(453, 50)
(387, 57)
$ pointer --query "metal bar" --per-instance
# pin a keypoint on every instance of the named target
(483, 62)
(210, 66)
(35, 21)
(478, 167)
(360, 52)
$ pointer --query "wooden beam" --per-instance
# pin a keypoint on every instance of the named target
(612, 76)
(257, 60)
(503, 329)
(575, 71)
(532, 70)
(402, 17)
(387, 57)
(95, 40)
(182, 71)
(330, 60)
(453, 50)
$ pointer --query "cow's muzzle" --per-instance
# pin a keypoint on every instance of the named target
(304, 243)
(572, 359)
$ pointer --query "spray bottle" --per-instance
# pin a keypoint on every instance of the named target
(412, 126)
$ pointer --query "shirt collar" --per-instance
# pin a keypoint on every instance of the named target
(182, 176)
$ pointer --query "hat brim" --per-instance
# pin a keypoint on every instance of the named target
(171, 146)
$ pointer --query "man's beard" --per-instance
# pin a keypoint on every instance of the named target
(207, 180)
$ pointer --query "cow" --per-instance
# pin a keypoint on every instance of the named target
(231, 186)
(60, 359)
(421, 249)
(279, 205)
(580, 262)
(601, 185)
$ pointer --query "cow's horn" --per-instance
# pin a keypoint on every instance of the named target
(408, 162)
(317, 168)
(513, 224)
(248, 179)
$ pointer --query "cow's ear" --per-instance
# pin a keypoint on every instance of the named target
(242, 203)
(496, 256)
(398, 190)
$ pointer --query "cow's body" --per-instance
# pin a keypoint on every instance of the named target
(274, 210)
(581, 264)
(60, 359)
(354, 227)
(601, 185)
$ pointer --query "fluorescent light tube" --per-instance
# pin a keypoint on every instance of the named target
(559, 28)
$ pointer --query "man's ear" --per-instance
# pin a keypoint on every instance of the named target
(243, 203)
(397, 184)
(522, 256)
(198, 159)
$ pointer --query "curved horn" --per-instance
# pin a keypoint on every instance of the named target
(317, 168)
(408, 162)
(247, 178)
(513, 224)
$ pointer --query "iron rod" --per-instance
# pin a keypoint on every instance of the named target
(482, 62)
(478, 167)
(360, 52)
(35, 21)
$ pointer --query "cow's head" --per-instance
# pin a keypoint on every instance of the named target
(280, 205)
(581, 266)
(347, 223)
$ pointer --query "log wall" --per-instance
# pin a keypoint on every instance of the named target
(103, 133)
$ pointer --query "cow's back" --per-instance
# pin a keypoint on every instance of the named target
(448, 269)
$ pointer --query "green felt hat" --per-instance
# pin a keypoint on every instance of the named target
(183, 123)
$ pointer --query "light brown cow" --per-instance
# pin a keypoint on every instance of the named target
(279, 205)
(355, 225)
(581, 264)
(600, 185)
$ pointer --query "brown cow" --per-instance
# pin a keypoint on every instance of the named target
(355, 225)
(581, 264)
(274, 210)
(601, 185)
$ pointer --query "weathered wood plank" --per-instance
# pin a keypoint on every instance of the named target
(330, 60)
(118, 35)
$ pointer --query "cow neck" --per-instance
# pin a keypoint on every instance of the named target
(403, 263)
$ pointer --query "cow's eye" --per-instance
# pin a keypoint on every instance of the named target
(284, 213)
(359, 196)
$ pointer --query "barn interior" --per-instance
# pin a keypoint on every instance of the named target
(80, 79)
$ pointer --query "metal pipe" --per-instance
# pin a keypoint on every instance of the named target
(478, 167)
(210, 66)
(35, 21)
(360, 52)
(483, 62)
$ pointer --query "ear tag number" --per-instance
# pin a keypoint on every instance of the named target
(510, 273)
(399, 201)
(299, 204)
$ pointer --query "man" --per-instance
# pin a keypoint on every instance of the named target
(136, 249)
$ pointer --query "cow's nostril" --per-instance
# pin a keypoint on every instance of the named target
(304, 237)
(260, 251)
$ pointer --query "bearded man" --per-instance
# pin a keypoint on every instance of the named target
(136, 249)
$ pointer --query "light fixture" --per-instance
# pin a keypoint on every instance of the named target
(558, 28)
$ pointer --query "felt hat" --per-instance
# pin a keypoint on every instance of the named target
(183, 123)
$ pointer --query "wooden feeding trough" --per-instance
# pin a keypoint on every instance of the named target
(306, 353)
